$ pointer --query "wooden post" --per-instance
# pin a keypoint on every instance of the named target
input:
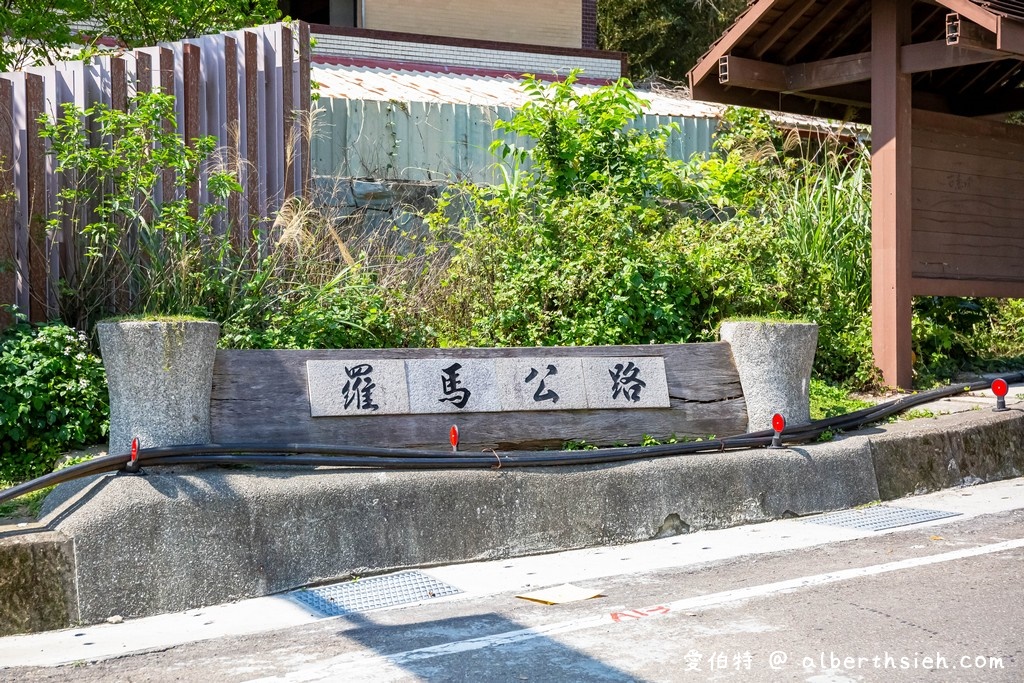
(8, 266)
(288, 109)
(190, 68)
(891, 207)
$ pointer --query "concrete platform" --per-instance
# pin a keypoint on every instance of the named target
(172, 541)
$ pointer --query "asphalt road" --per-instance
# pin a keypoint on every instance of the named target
(785, 601)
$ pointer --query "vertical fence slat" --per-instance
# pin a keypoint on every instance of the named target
(118, 84)
(39, 310)
(8, 267)
(305, 107)
(287, 48)
(252, 131)
(167, 88)
(251, 88)
(190, 69)
(234, 222)
(144, 84)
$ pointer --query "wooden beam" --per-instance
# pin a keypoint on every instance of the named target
(938, 55)
(709, 63)
(781, 25)
(927, 286)
(891, 201)
(827, 73)
(711, 91)
(1009, 35)
(813, 29)
(975, 13)
(752, 74)
(850, 95)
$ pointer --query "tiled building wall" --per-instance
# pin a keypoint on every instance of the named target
(514, 61)
(535, 22)
(589, 24)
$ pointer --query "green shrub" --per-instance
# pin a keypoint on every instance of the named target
(53, 397)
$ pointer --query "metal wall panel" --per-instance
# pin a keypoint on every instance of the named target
(435, 141)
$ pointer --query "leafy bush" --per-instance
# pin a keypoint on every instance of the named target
(53, 396)
(138, 255)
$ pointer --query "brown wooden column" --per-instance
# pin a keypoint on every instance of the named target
(891, 193)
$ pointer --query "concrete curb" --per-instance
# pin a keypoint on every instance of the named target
(170, 541)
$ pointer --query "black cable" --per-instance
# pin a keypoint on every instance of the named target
(317, 455)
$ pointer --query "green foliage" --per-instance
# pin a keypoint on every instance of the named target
(137, 254)
(664, 37)
(583, 144)
(140, 23)
(34, 32)
(829, 400)
(577, 251)
(41, 32)
(53, 396)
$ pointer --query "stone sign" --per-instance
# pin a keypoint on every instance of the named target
(484, 385)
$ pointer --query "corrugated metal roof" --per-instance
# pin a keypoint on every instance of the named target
(383, 84)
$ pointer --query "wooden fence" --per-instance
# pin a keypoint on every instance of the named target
(250, 89)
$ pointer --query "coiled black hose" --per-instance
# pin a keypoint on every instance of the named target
(316, 455)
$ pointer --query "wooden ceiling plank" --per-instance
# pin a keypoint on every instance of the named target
(813, 29)
(783, 24)
(856, 20)
(709, 63)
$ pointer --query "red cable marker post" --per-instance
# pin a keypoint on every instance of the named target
(453, 438)
(778, 424)
(133, 464)
(1000, 388)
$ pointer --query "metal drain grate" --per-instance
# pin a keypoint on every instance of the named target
(363, 595)
(880, 517)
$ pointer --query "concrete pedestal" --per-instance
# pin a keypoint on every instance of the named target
(159, 376)
(774, 361)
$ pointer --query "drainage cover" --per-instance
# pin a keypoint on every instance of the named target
(375, 592)
(880, 517)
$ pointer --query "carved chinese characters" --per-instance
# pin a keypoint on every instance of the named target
(476, 385)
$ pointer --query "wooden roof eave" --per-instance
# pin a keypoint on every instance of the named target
(708, 64)
(760, 84)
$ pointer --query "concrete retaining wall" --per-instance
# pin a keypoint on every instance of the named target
(164, 542)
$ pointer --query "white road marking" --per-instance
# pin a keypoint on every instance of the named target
(366, 664)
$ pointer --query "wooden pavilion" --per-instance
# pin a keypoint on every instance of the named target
(935, 79)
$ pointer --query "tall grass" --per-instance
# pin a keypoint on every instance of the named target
(824, 212)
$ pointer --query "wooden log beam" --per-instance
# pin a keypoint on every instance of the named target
(891, 201)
